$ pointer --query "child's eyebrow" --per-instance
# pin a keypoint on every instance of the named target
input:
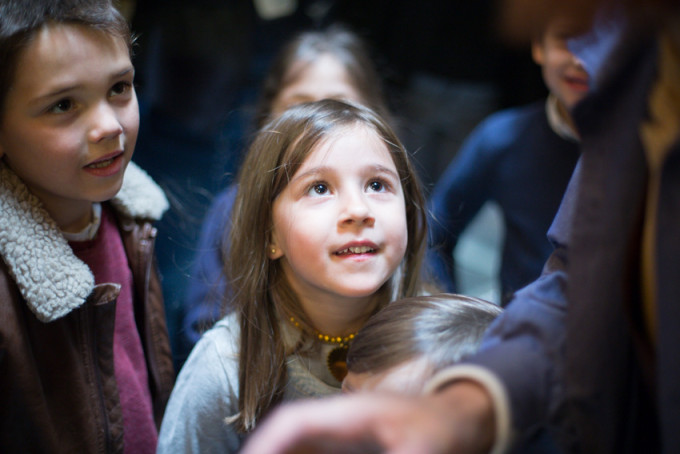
(55, 93)
(128, 70)
(62, 90)
(320, 170)
(382, 169)
(313, 172)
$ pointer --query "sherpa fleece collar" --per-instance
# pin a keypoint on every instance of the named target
(52, 280)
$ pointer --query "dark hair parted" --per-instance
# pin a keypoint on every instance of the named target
(20, 20)
(305, 48)
(443, 328)
(262, 295)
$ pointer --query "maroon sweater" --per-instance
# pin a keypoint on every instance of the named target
(105, 255)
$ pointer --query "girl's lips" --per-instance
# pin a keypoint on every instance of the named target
(357, 249)
(107, 165)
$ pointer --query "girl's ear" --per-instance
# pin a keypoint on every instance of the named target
(274, 252)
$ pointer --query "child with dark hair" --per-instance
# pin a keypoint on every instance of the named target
(520, 158)
(85, 362)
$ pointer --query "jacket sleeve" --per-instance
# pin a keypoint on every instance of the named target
(457, 197)
(524, 347)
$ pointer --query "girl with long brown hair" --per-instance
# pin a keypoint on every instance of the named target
(328, 227)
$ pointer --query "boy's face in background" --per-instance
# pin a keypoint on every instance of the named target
(71, 120)
(563, 72)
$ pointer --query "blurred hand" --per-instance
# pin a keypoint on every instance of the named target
(457, 419)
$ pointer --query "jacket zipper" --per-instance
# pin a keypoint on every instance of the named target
(93, 372)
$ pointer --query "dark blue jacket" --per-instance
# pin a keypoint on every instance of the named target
(515, 159)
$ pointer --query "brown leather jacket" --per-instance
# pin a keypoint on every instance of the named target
(58, 391)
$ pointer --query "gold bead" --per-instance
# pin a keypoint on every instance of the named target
(341, 341)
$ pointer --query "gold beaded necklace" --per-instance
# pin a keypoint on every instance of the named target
(336, 361)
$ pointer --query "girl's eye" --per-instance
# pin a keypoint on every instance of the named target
(61, 106)
(120, 88)
(376, 186)
(318, 189)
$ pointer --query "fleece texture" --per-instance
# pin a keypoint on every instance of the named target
(51, 279)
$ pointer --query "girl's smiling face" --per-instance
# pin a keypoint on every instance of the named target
(339, 226)
(70, 120)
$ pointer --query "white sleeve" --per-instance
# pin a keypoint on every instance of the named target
(492, 385)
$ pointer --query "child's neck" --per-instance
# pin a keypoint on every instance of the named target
(71, 219)
(340, 318)
(565, 115)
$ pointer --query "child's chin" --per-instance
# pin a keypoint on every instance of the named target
(362, 292)
(109, 193)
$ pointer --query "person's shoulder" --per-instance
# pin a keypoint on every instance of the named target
(512, 116)
(508, 127)
(223, 337)
(224, 200)
(206, 392)
(139, 196)
(219, 211)
(31, 244)
(212, 365)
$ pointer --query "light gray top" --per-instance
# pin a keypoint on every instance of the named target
(206, 391)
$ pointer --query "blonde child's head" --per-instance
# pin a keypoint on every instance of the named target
(262, 267)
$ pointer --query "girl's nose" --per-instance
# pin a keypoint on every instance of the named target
(356, 210)
(105, 123)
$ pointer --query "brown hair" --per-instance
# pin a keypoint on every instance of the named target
(443, 328)
(261, 294)
(21, 20)
(308, 46)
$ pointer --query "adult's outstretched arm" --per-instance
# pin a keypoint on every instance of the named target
(457, 418)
